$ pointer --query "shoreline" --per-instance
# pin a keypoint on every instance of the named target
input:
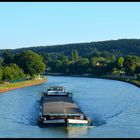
(134, 82)
(17, 85)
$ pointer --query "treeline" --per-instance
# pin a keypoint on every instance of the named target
(98, 63)
(24, 65)
(118, 57)
(121, 47)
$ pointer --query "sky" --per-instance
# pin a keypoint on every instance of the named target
(27, 24)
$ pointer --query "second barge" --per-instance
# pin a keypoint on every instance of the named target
(58, 109)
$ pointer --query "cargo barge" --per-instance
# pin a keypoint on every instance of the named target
(58, 109)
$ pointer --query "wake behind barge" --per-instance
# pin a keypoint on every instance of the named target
(58, 109)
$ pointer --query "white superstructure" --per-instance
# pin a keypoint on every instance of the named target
(56, 90)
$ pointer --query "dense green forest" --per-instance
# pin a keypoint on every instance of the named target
(24, 65)
(115, 57)
(98, 63)
(118, 47)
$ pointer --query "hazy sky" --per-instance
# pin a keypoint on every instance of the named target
(26, 24)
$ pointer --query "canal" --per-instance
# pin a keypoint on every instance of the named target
(114, 107)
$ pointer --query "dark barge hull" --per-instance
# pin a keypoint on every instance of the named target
(41, 124)
(51, 124)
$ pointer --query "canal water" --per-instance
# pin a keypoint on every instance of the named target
(114, 107)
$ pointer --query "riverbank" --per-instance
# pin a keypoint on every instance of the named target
(128, 80)
(16, 85)
(134, 82)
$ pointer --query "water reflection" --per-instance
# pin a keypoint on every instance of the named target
(53, 132)
(77, 131)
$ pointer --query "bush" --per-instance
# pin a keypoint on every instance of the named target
(12, 72)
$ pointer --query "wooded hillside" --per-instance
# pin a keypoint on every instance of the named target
(119, 47)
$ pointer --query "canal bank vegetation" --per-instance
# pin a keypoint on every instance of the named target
(15, 85)
(98, 64)
(20, 70)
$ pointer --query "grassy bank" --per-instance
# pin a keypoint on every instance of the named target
(16, 85)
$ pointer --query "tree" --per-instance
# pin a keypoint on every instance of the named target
(130, 64)
(31, 63)
(12, 72)
(76, 56)
(131, 69)
(82, 65)
(96, 54)
(115, 71)
(1, 62)
(7, 57)
(120, 61)
(57, 66)
(1, 73)
(62, 57)
(65, 66)
(46, 57)
(72, 55)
